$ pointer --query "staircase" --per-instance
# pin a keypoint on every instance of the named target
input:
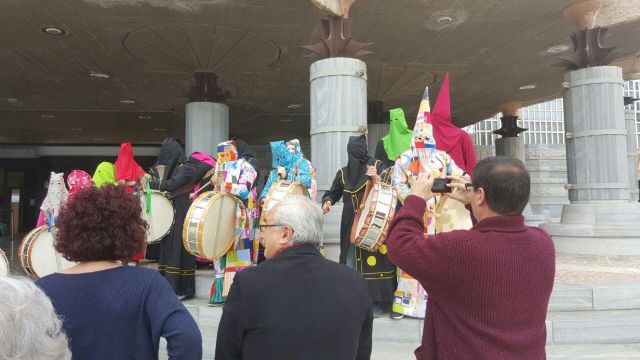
(594, 310)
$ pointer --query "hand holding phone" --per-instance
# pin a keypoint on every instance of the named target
(440, 186)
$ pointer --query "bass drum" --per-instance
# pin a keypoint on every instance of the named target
(280, 190)
(38, 257)
(210, 226)
(159, 214)
(369, 230)
(4, 264)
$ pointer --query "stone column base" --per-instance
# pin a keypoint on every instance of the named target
(606, 228)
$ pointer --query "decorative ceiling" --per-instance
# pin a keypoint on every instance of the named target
(122, 69)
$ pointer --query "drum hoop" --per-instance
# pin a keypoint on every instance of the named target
(30, 250)
(37, 233)
(200, 228)
(357, 236)
(185, 224)
(23, 259)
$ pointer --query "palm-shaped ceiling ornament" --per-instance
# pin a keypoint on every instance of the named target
(587, 45)
(338, 40)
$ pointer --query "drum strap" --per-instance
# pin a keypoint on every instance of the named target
(148, 195)
(186, 188)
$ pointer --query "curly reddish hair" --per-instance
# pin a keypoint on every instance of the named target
(101, 224)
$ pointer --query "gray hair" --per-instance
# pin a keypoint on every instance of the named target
(303, 216)
(29, 327)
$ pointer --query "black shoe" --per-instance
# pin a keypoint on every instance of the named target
(185, 297)
(396, 316)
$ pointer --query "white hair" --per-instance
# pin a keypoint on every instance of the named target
(29, 327)
(303, 216)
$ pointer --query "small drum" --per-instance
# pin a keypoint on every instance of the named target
(280, 190)
(369, 230)
(4, 264)
(38, 257)
(210, 226)
(161, 217)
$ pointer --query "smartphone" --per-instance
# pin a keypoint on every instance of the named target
(440, 186)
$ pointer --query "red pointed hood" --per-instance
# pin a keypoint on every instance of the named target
(449, 137)
(126, 167)
(446, 134)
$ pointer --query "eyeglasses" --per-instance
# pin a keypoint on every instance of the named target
(469, 186)
(264, 226)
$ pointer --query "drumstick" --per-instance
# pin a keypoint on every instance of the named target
(199, 190)
(409, 178)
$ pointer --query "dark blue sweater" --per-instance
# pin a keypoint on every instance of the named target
(121, 313)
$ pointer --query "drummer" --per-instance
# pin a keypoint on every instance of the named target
(410, 297)
(293, 146)
(236, 176)
(172, 173)
(349, 184)
(287, 165)
(57, 195)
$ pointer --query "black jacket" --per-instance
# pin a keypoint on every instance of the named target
(297, 305)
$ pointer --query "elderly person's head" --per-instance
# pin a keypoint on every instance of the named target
(294, 220)
(101, 224)
(29, 327)
(501, 186)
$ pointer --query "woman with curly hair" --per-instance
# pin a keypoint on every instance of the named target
(111, 311)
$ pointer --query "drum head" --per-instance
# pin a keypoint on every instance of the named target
(43, 258)
(161, 218)
(279, 191)
(4, 264)
(219, 230)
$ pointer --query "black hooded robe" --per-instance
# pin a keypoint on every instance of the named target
(176, 264)
(350, 184)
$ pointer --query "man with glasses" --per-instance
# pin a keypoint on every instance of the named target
(489, 286)
(297, 304)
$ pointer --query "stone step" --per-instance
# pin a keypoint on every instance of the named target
(570, 335)
(563, 327)
(593, 351)
(565, 297)
(583, 297)
(594, 327)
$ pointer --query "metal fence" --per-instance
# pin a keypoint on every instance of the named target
(545, 121)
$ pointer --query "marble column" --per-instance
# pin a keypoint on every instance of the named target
(599, 220)
(632, 154)
(338, 111)
(207, 125)
(377, 125)
(207, 121)
(375, 132)
(510, 144)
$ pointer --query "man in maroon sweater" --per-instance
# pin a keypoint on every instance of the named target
(488, 287)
